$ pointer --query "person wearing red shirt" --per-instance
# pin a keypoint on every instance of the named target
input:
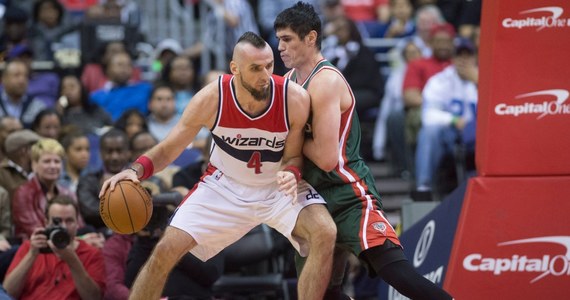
(76, 271)
(417, 75)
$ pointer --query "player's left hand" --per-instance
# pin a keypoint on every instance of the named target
(287, 184)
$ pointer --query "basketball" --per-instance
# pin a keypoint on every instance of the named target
(127, 209)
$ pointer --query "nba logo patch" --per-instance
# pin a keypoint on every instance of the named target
(380, 226)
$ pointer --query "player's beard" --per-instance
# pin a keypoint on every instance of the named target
(259, 95)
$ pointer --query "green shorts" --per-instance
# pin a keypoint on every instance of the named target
(357, 213)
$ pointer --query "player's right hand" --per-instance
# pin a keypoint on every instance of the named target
(126, 174)
(287, 184)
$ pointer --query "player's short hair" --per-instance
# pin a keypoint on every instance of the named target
(301, 18)
(253, 39)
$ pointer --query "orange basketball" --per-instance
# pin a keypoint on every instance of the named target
(127, 209)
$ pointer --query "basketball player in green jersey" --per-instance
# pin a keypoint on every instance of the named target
(333, 165)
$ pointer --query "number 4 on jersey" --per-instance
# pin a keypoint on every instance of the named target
(255, 162)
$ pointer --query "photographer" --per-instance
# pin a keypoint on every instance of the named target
(53, 264)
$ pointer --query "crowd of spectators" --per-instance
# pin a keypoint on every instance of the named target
(77, 107)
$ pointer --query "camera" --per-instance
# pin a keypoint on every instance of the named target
(57, 235)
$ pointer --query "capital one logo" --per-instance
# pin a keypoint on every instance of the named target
(550, 18)
(546, 103)
(518, 262)
(424, 243)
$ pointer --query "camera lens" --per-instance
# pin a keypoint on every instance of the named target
(60, 238)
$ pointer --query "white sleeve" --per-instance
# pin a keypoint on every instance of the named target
(434, 99)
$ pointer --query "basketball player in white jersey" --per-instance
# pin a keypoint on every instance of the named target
(257, 122)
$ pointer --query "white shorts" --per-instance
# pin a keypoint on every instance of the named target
(220, 210)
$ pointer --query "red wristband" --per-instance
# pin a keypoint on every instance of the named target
(295, 172)
(148, 167)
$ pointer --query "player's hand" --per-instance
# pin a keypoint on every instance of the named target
(287, 184)
(126, 174)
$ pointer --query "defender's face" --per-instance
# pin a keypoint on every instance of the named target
(291, 47)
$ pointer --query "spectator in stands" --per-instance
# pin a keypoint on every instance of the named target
(118, 95)
(390, 122)
(77, 155)
(5, 220)
(464, 15)
(76, 8)
(132, 122)
(357, 64)
(449, 105)
(31, 199)
(331, 9)
(370, 16)
(74, 272)
(94, 77)
(41, 84)
(114, 149)
(162, 117)
(14, 100)
(180, 75)
(426, 18)
(401, 23)
(419, 72)
(8, 124)
(142, 142)
(15, 29)
(47, 123)
(164, 52)
(77, 110)
(238, 17)
(48, 28)
(125, 11)
(115, 254)
(17, 166)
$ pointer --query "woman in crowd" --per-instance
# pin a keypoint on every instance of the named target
(47, 123)
(132, 121)
(30, 200)
(77, 155)
(179, 74)
(76, 109)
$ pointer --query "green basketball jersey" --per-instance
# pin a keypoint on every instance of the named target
(351, 168)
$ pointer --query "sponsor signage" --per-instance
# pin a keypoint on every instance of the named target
(524, 107)
(427, 244)
(513, 240)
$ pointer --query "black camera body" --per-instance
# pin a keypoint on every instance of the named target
(57, 235)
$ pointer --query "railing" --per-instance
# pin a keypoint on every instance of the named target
(168, 19)
(213, 45)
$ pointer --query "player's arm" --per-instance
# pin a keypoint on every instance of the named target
(298, 111)
(201, 111)
(326, 90)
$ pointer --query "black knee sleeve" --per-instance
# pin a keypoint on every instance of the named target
(404, 278)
